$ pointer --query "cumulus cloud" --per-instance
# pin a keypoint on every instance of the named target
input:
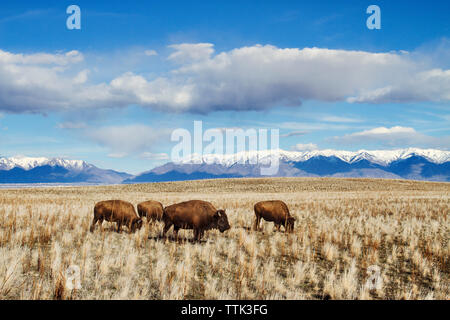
(247, 78)
(42, 83)
(81, 77)
(191, 52)
(305, 147)
(393, 137)
(430, 85)
(41, 58)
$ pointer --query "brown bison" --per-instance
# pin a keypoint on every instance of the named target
(276, 211)
(195, 214)
(153, 210)
(118, 211)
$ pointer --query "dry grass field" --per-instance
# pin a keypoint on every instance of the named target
(343, 227)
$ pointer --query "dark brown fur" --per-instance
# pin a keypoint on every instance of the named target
(118, 211)
(276, 211)
(153, 210)
(195, 214)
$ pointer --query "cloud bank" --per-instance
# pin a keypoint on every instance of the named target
(126, 140)
(393, 137)
(201, 80)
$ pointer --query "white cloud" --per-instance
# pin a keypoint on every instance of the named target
(128, 139)
(154, 156)
(305, 147)
(429, 85)
(117, 155)
(41, 58)
(247, 78)
(81, 77)
(191, 52)
(383, 131)
(150, 53)
(393, 137)
(260, 77)
(43, 83)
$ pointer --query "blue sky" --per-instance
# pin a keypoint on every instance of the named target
(112, 92)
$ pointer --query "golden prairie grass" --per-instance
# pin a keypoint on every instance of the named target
(343, 227)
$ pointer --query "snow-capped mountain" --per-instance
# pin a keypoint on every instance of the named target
(28, 163)
(412, 163)
(382, 157)
(55, 170)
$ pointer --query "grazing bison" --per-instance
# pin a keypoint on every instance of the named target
(118, 211)
(153, 210)
(195, 214)
(276, 211)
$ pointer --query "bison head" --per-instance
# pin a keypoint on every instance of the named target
(136, 224)
(221, 220)
(290, 224)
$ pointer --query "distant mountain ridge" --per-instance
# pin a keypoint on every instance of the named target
(55, 170)
(411, 163)
(28, 163)
(376, 156)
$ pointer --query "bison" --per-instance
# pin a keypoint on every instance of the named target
(276, 211)
(153, 210)
(118, 211)
(194, 214)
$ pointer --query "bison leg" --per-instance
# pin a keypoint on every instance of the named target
(131, 227)
(257, 222)
(198, 234)
(119, 225)
(195, 234)
(100, 222)
(286, 227)
(94, 221)
(278, 226)
(175, 232)
(167, 225)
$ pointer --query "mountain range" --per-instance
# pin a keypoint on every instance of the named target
(412, 163)
(56, 170)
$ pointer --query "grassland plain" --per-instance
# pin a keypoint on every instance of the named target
(343, 227)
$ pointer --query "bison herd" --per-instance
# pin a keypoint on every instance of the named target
(197, 215)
